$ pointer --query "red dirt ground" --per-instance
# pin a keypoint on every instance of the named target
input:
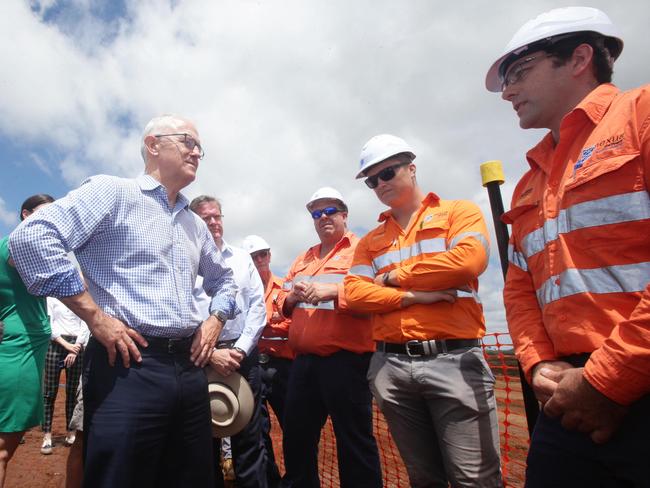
(30, 469)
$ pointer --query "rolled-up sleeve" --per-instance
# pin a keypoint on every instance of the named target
(40, 244)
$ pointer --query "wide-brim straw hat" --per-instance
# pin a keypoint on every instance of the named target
(231, 402)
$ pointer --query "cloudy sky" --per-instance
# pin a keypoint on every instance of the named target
(284, 94)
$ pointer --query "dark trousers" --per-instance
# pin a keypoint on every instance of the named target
(56, 354)
(335, 385)
(560, 458)
(275, 374)
(276, 381)
(249, 454)
(148, 425)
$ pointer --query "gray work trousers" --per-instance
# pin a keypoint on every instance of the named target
(441, 412)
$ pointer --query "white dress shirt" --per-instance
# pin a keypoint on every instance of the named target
(248, 325)
(65, 322)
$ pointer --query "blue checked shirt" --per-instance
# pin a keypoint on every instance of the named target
(140, 259)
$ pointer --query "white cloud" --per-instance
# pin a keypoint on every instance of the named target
(7, 217)
(284, 95)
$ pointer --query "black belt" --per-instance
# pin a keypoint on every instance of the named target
(227, 344)
(171, 346)
(416, 349)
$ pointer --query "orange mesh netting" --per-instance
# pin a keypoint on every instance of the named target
(513, 431)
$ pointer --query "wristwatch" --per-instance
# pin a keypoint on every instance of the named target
(240, 351)
(220, 315)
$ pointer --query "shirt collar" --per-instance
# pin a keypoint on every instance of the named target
(594, 106)
(345, 241)
(226, 249)
(147, 182)
(426, 201)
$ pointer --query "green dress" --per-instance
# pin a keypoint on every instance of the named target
(22, 350)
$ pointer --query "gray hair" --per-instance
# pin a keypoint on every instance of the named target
(160, 124)
(201, 199)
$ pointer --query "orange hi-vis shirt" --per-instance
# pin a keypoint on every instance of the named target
(275, 336)
(580, 246)
(328, 327)
(445, 246)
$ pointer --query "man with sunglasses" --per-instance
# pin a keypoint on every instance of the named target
(417, 274)
(146, 406)
(577, 295)
(333, 348)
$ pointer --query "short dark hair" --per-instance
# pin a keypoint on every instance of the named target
(201, 199)
(603, 60)
(34, 201)
(606, 50)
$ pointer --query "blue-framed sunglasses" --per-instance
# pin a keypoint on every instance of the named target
(317, 214)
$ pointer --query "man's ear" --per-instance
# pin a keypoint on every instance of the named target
(582, 59)
(151, 143)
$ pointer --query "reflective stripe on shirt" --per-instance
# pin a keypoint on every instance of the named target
(425, 246)
(327, 305)
(517, 258)
(476, 235)
(323, 278)
(361, 270)
(625, 278)
(616, 209)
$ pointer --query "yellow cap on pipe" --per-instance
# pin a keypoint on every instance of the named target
(492, 171)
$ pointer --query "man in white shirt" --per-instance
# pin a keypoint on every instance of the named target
(237, 346)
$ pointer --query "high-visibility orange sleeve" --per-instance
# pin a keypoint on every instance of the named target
(531, 342)
(362, 294)
(466, 259)
(620, 368)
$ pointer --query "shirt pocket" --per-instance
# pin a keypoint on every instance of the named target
(606, 167)
(431, 237)
(383, 258)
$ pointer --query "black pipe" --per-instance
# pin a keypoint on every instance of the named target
(531, 405)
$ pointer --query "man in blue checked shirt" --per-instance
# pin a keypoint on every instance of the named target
(147, 417)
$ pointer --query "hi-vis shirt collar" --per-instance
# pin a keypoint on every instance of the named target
(428, 200)
(344, 242)
(595, 105)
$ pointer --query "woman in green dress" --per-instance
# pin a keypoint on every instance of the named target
(22, 350)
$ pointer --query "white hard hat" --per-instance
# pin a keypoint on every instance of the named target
(549, 24)
(254, 243)
(327, 192)
(379, 148)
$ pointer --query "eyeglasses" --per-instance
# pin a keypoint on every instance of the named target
(385, 174)
(260, 254)
(216, 218)
(317, 214)
(517, 72)
(189, 142)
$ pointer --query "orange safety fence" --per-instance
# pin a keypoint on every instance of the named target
(513, 430)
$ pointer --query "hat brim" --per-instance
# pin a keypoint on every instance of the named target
(222, 391)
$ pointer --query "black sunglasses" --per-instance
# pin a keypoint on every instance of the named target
(385, 174)
(317, 214)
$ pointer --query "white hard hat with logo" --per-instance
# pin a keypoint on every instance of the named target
(329, 193)
(379, 148)
(553, 23)
(254, 243)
